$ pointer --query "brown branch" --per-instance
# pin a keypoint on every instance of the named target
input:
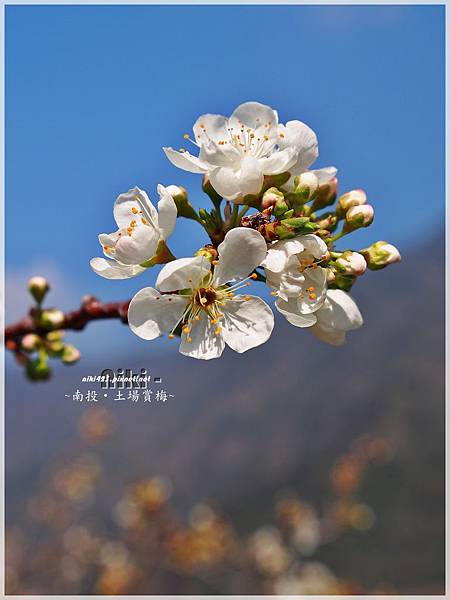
(91, 309)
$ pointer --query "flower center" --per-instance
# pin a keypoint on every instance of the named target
(205, 297)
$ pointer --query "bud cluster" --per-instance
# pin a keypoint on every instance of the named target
(34, 350)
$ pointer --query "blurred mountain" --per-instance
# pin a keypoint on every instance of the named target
(239, 430)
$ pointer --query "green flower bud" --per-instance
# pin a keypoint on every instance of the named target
(51, 318)
(55, 336)
(380, 255)
(30, 342)
(289, 228)
(353, 198)
(343, 282)
(70, 354)
(274, 198)
(358, 216)
(38, 369)
(38, 288)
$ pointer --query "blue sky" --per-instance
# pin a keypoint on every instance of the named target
(94, 92)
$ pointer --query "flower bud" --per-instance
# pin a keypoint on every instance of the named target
(380, 255)
(326, 194)
(343, 282)
(208, 252)
(38, 287)
(288, 228)
(181, 199)
(351, 263)
(52, 318)
(38, 369)
(305, 186)
(358, 216)
(331, 275)
(275, 199)
(328, 221)
(30, 342)
(353, 198)
(70, 354)
(57, 335)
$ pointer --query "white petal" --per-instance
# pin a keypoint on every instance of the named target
(325, 175)
(138, 247)
(220, 156)
(211, 128)
(186, 161)
(167, 210)
(253, 115)
(246, 323)
(151, 314)
(240, 253)
(301, 137)
(251, 176)
(293, 314)
(314, 245)
(183, 273)
(110, 269)
(339, 312)
(108, 242)
(278, 162)
(334, 337)
(279, 253)
(137, 199)
(204, 343)
(226, 182)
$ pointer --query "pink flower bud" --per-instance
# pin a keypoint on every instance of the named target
(351, 263)
(359, 216)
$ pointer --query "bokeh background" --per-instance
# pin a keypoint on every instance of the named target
(295, 468)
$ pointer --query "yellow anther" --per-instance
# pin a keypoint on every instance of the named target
(171, 336)
(203, 300)
(106, 248)
(182, 150)
(247, 297)
(266, 137)
(312, 296)
(281, 135)
(186, 136)
(310, 289)
(214, 321)
(197, 318)
(247, 283)
(186, 329)
(189, 339)
(215, 262)
(134, 210)
(254, 276)
(274, 293)
(129, 230)
(133, 223)
(202, 126)
(218, 331)
(144, 221)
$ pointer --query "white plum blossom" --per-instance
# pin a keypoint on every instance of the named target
(294, 273)
(337, 315)
(142, 231)
(199, 299)
(237, 152)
